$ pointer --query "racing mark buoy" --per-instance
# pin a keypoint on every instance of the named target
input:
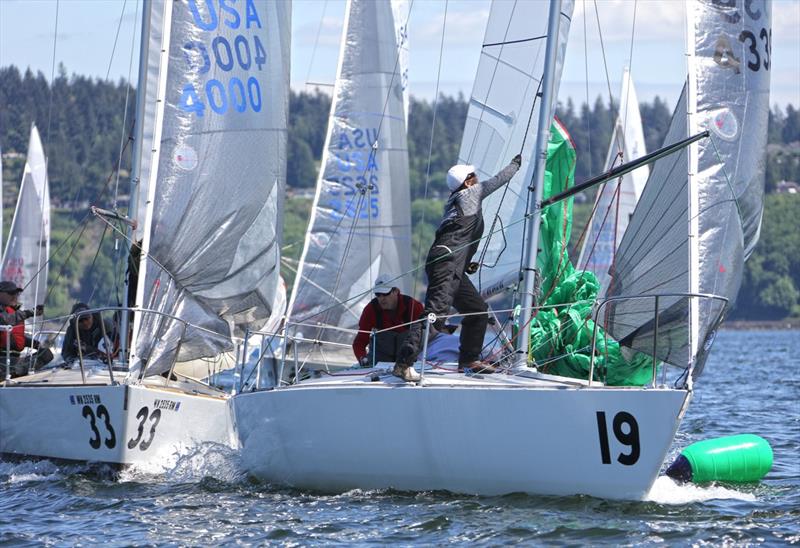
(742, 458)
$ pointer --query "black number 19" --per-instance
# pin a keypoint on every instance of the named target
(629, 438)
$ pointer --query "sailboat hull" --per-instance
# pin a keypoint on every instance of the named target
(119, 424)
(484, 440)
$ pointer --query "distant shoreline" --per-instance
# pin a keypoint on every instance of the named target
(740, 325)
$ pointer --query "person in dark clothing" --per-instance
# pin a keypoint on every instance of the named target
(449, 260)
(15, 340)
(92, 343)
(389, 309)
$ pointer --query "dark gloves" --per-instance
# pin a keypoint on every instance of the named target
(472, 268)
(517, 160)
(40, 310)
(26, 314)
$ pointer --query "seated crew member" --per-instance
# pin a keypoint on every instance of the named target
(15, 340)
(92, 344)
(389, 309)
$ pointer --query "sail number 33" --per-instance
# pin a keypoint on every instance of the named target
(221, 55)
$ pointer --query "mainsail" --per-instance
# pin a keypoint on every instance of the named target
(502, 115)
(28, 249)
(616, 201)
(360, 221)
(692, 233)
(210, 248)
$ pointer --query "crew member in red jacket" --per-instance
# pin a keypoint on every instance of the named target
(10, 314)
(389, 309)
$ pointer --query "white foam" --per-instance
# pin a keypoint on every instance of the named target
(187, 464)
(667, 491)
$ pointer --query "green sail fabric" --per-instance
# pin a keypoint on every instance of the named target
(561, 334)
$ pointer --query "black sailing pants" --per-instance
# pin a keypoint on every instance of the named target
(448, 285)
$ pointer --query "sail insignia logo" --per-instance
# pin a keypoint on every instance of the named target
(724, 124)
(185, 157)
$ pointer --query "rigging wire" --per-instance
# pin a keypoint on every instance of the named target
(356, 213)
(316, 42)
(430, 143)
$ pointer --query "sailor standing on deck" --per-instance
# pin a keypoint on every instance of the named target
(449, 261)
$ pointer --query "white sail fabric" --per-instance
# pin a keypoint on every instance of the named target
(503, 109)
(693, 233)
(729, 74)
(28, 249)
(217, 175)
(401, 10)
(361, 221)
(616, 200)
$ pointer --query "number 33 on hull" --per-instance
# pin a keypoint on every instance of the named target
(101, 422)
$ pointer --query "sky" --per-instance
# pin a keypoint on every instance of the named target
(85, 33)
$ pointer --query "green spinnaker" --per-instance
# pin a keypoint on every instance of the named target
(561, 335)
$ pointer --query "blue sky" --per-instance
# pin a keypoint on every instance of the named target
(87, 30)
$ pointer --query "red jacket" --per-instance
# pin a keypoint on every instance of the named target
(17, 335)
(390, 318)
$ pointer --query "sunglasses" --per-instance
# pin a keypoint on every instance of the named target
(470, 176)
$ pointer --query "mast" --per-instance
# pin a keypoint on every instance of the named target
(693, 197)
(136, 160)
(537, 180)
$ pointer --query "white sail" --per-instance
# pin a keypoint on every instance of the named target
(699, 215)
(360, 221)
(28, 249)
(502, 115)
(616, 201)
(401, 10)
(729, 73)
(216, 175)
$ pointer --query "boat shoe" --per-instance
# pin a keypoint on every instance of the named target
(407, 373)
(477, 367)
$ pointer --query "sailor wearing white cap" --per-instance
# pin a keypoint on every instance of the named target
(449, 260)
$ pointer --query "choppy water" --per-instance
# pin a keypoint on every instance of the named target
(751, 384)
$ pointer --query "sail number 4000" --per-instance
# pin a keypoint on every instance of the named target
(629, 438)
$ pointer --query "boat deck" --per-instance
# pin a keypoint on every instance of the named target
(442, 375)
(96, 374)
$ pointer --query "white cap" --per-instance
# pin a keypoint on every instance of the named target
(457, 175)
(383, 284)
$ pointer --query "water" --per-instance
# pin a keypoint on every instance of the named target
(751, 384)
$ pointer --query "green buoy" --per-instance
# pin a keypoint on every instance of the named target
(739, 459)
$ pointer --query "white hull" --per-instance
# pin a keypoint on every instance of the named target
(98, 422)
(481, 436)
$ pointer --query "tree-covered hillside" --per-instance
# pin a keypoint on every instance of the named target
(86, 126)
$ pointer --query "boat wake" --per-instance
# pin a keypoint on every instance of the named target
(190, 465)
(667, 491)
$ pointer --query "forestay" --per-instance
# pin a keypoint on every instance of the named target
(28, 249)
(217, 172)
(503, 109)
(360, 221)
(616, 200)
(692, 233)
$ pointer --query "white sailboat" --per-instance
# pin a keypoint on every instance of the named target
(543, 434)
(615, 202)
(209, 169)
(361, 216)
(25, 261)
